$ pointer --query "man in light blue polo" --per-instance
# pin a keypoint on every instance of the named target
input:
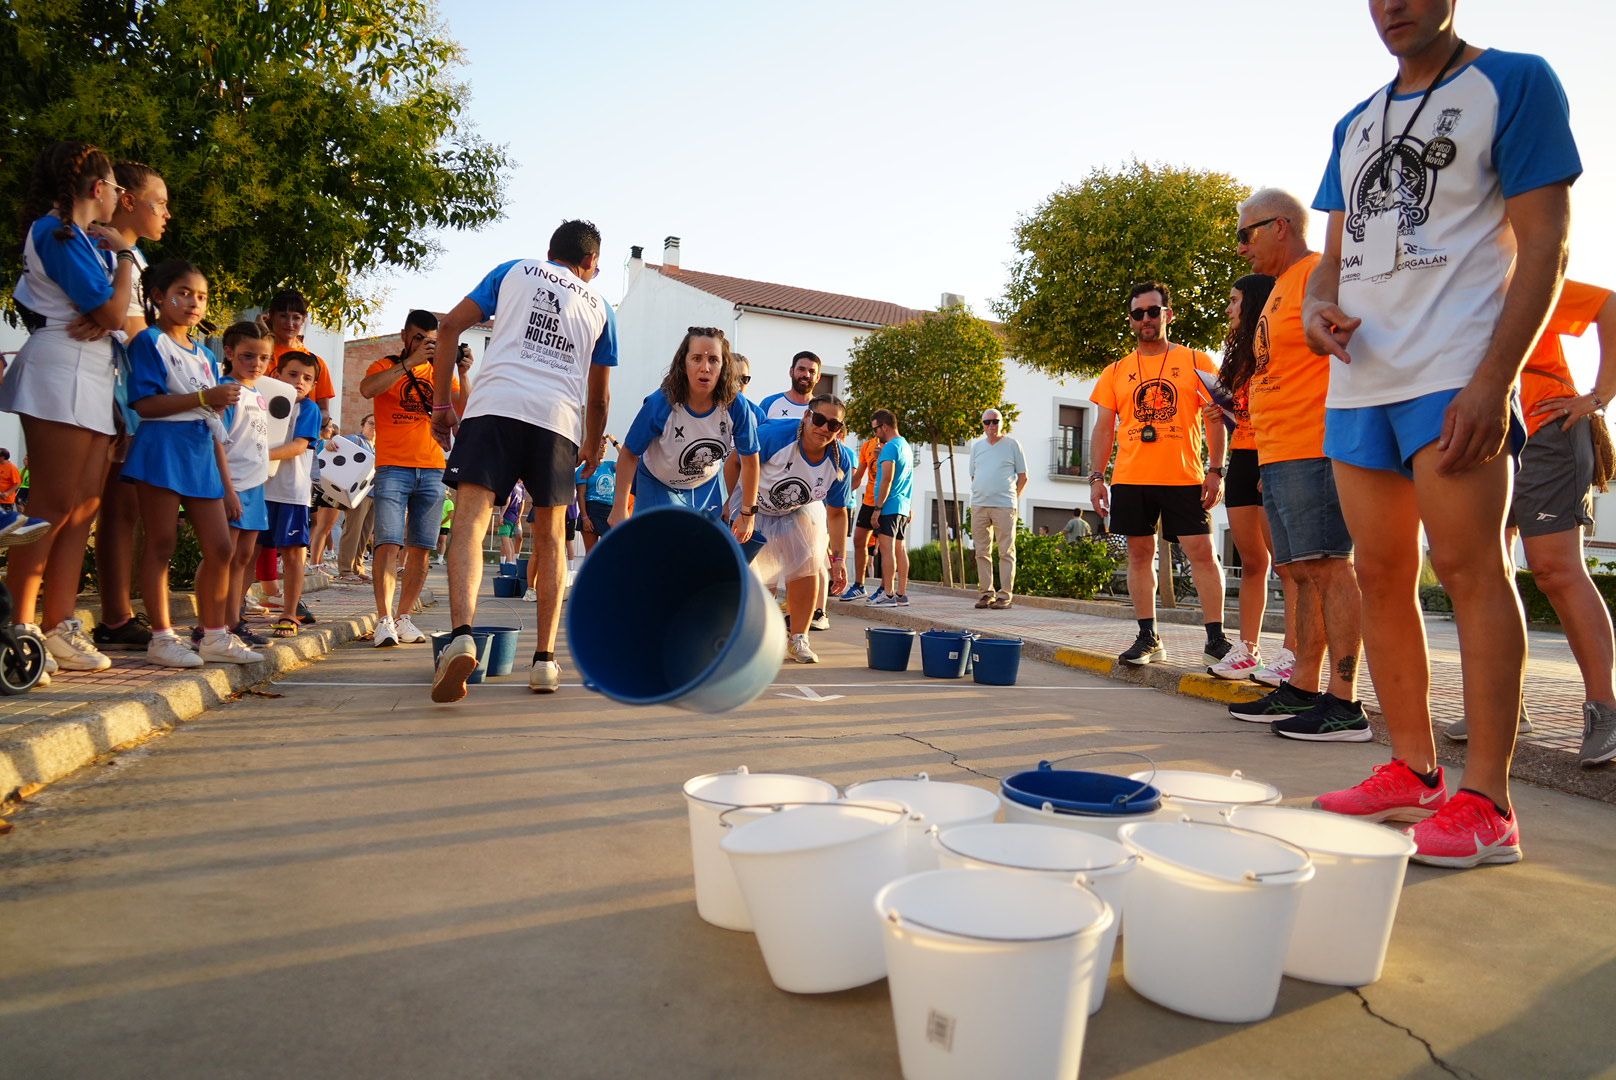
(998, 477)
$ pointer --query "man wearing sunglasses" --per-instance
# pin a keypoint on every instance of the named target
(998, 477)
(1151, 405)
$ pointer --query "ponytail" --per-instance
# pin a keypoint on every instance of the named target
(58, 181)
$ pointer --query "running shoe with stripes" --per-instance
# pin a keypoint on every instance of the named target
(1278, 669)
(1459, 730)
(73, 649)
(1468, 831)
(1598, 734)
(877, 596)
(17, 528)
(1393, 792)
(1242, 661)
(1286, 701)
(854, 592)
(1146, 649)
(1329, 720)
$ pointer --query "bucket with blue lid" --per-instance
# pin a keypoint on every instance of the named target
(1094, 802)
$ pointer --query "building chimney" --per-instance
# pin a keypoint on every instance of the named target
(636, 263)
(670, 252)
(952, 300)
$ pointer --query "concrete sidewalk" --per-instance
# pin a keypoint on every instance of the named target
(1090, 634)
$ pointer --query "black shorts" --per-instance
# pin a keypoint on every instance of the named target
(893, 525)
(496, 451)
(318, 501)
(865, 510)
(599, 513)
(1240, 486)
(1135, 509)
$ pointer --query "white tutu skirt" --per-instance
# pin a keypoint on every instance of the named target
(57, 378)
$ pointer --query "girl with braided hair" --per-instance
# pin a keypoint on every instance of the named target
(62, 388)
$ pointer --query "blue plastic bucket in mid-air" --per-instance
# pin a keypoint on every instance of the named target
(480, 635)
(945, 654)
(996, 661)
(887, 648)
(501, 648)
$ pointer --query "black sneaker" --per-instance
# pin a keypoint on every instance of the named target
(1146, 649)
(1329, 720)
(134, 634)
(247, 635)
(1286, 701)
(304, 615)
(1215, 652)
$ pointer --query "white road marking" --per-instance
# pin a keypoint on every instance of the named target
(808, 693)
(962, 684)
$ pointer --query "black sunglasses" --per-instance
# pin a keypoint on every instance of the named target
(1142, 313)
(821, 420)
(746, 380)
(1244, 234)
(990, 420)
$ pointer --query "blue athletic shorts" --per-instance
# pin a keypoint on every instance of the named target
(254, 512)
(288, 526)
(1387, 437)
(408, 506)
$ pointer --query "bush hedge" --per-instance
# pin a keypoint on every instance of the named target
(1045, 566)
(1434, 598)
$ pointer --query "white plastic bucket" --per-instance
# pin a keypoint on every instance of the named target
(931, 803)
(1345, 919)
(718, 897)
(990, 972)
(1204, 796)
(1103, 826)
(809, 875)
(1210, 910)
(1060, 854)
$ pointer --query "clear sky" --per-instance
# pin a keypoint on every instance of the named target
(886, 149)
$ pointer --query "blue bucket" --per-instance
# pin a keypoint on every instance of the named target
(508, 569)
(945, 654)
(509, 588)
(665, 611)
(480, 636)
(521, 567)
(996, 661)
(1073, 791)
(501, 648)
(887, 648)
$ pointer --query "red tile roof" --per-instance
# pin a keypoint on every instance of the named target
(791, 300)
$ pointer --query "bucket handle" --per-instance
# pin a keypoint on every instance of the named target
(505, 605)
(1120, 800)
(1258, 876)
(899, 920)
(775, 808)
(883, 779)
(936, 834)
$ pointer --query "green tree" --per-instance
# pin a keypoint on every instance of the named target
(936, 374)
(1080, 251)
(304, 144)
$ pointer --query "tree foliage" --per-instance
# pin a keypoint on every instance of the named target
(305, 144)
(1065, 306)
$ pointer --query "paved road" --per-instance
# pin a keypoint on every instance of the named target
(348, 881)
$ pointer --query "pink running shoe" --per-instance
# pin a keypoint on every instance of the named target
(1277, 669)
(1467, 832)
(1240, 662)
(1393, 792)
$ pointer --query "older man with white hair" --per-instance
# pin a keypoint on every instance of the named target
(998, 477)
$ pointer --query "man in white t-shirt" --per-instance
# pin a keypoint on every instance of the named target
(542, 393)
(1448, 193)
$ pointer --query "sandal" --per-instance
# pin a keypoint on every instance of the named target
(284, 628)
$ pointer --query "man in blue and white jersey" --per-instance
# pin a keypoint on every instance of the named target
(1449, 194)
(541, 393)
(791, 404)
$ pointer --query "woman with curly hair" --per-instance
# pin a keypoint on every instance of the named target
(675, 449)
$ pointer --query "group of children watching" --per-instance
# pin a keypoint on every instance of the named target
(118, 396)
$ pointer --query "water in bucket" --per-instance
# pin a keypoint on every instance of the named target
(1344, 923)
(1062, 855)
(718, 896)
(931, 803)
(809, 875)
(1205, 796)
(990, 973)
(664, 611)
(1209, 911)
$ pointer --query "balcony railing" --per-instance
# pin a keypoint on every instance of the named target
(1066, 462)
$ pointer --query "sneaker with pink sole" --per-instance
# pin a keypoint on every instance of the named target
(1242, 661)
(1468, 831)
(1278, 669)
(1393, 792)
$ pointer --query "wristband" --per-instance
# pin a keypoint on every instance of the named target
(1095, 477)
(1599, 402)
(838, 558)
(442, 408)
(126, 255)
(200, 400)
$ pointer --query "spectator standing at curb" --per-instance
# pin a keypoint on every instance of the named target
(864, 475)
(998, 477)
(894, 489)
(357, 522)
(408, 492)
(10, 481)
(1151, 403)
(1076, 528)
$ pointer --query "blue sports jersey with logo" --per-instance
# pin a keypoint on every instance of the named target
(789, 481)
(684, 450)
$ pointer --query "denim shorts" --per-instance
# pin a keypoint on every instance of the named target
(411, 498)
(1387, 437)
(1304, 512)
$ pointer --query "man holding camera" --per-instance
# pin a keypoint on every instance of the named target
(408, 492)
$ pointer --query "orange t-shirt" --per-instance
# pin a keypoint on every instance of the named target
(404, 418)
(1575, 312)
(323, 388)
(1286, 391)
(869, 451)
(1244, 436)
(10, 481)
(1163, 393)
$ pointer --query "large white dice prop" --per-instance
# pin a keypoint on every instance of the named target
(281, 402)
(347, 471)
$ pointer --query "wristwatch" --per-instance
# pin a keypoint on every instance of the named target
(1218, 470)
(1094, 476)
(749, 511)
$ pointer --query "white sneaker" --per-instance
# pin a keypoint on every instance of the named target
(530, 597)
(798, 650)
(545, 678)
(455, 664)
(820, 621)
(408, 632)
(1459, 730)
(1277, 670)
(168, 650)
(386, 634)
(51, 666)
(1240, 662)
(73, 649)
(226, 648)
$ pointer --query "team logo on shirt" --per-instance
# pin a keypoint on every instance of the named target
(1393, 180)
(789, 493)
(412, 398)
(700, 456)
(1259, 341)
(1155, 401)
(546, 301)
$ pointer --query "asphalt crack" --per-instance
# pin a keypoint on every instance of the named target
(953, 758)
(1451, 1070)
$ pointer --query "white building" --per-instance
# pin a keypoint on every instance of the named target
(770, 323)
